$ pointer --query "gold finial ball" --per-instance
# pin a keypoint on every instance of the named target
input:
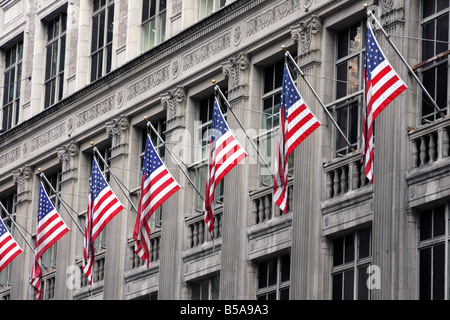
(39, 169)
(92, 143)
(366, 5)
(213, 81)
(283, 47)
(146, 118)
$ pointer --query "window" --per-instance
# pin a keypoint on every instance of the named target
(56, 51)
(206, 7)
(352, 255)
(435, 27)
(207, 289)
(102, 36)
(270, 120)
(202, 138)
(153, 29)
(433, 245)
(274, 278)
(349, 74)
(11, 85)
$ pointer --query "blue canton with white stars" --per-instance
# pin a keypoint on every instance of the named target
(98, 182)
(290, 94)
(152, 161)
(3, 228)
(45, 205)
(218, 126)
(374, 56)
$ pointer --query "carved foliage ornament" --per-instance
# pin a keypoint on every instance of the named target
(173, 101)
(235, 69)
(115, 128)
(66, 153)
(20, 176)
(306, 31)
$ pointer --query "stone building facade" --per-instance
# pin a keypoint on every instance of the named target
(83, 71)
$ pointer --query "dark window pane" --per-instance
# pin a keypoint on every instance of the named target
(348, 284)
(272, 296)
(285, 268)
(162, 5)
(442, 83)
(428, 46)
(438, 272)
(94, 44)
(272, 272)
(349, 248)
(262, 275)
(337, 287)
(441, 4)
(364, 243)
(145, 9)
(341, 84)
(363, 290)
(268, 79)
(338, 251)
(425, 225)
(428, 8)
(439, 221)
(353, 125)
(425, 274)
(342, 43)
(442, 34)
(284, 294)
(279, 72)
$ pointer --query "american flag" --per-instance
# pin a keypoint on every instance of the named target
(382, 85)
(9, 249)
(50, 228)
(103, 205)
(224, 153)
(296, 123)
(157, 185)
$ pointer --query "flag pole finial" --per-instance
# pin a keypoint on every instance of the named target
(92, 143)
(284, 47)
(366, 6)
(213, 81)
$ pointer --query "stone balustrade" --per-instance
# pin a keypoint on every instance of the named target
(135, 260)
(198, 233)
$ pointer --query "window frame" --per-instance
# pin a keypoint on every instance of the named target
(54, 79)
(279, 285)
(355, 265)
(433, 66)
(208, 7)
(101, 52)
(159, 19)
(11, 89)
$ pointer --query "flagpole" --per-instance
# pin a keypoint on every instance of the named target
(369, 13)
(217, 89)
(114, 176)
(149, 124)
(318, 98)
(17, 226)
(42, 176)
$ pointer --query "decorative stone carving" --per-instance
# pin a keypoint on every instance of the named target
(174, 102)
(309, 34)
(236, 70)
(117, 128)
(20, 177)
(66, 154)
(387, 5)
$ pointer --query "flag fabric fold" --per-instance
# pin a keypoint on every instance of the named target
(50, 228)
(297, 122)
(9, 249)
(103, 205)
(157, 185)
(225, 152)
(382, 85)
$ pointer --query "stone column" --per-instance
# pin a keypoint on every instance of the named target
(116, 236)
(21, 288)
(173, 225)
(68, 155)
(236, 202)
(308, 253)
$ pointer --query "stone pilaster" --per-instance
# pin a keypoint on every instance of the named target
(173, 224)
(116, 243)
(23, 178)
(237, 212)
(308, 253)
(68, 246)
